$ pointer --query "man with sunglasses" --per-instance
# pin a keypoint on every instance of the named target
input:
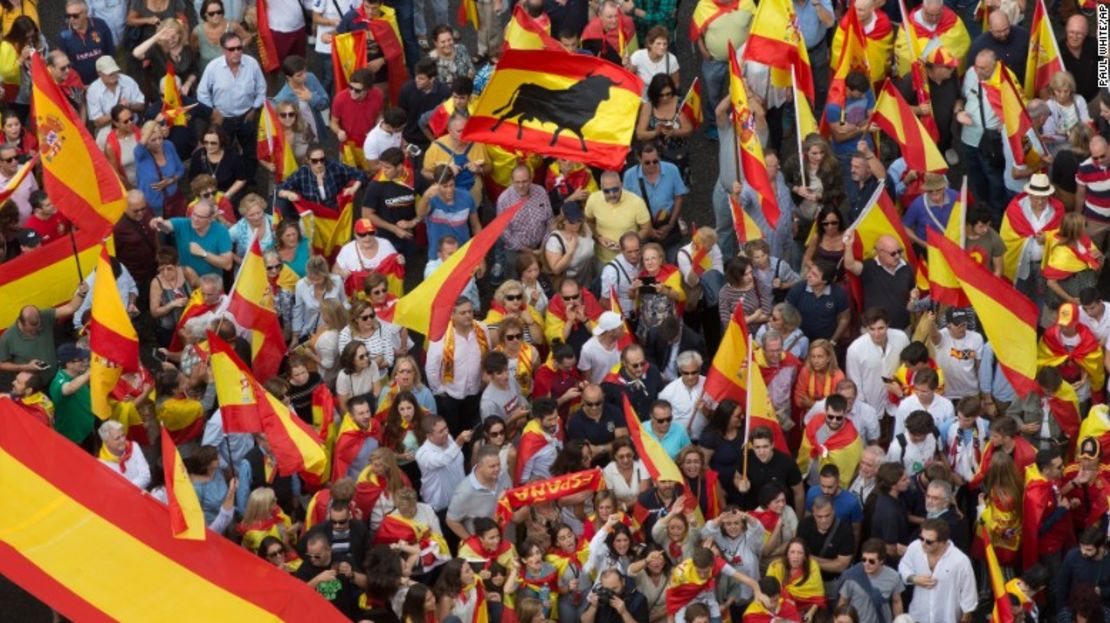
(871, 587)
(202, 243)
(887, 282)
(9, 168)
(356, 109)
(670, 437)
(636, 379)
(1092, 191)
(234, 89)
(59, 66)
(85, 39)
(349, 537)
(596, 423)
(830, 439)
(943, 581)
(612, 212)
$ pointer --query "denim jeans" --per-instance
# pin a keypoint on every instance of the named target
(985, 181)
(714, 75)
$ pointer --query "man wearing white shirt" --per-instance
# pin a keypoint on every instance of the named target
(685, 394)
(944, 583)
(925, 398)
(454, 367)
(1095, 313)
(441, 463)
(110, 89)
(958, 350)
(383, 136)
(873, 356)
(122, 455)
(862, 415)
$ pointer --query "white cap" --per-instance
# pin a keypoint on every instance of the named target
(607, 322)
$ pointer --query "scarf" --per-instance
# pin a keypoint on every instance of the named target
(449, 351)
(811, 384)
(524, 363)
(106, 455)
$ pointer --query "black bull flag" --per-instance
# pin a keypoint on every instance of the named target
(561, 105)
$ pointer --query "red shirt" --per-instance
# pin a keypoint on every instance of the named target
(357, 118)
(52, 228)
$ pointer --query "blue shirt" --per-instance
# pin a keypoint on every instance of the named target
(215, 241)
(233, 95)
(991, 378)
(917, 216)
(661, 194)
(846, 504)
(673, 442)
(813, 31)
(856, 111)
(83, 50)
(818, 312)
(148, 172)
(453, 220)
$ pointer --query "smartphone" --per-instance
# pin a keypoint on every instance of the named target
(647, 284)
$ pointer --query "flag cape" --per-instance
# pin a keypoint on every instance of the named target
(658, 463)
(706, 11)
(186, 516)
(397, 528)
(561, 560)
(746, 229)
(1017, 230)
(1087, 354)
(898, 120)
(273, 146)
(1061, 261)
(776, 41)
(532, 440)
(546, 490)
(1039, 501)
(691, 104)
(878, 44)
(1009, 319)
(173, 107)
(113, 342)
(594, 102)
(1043, 59)
(951, 34)
(1097, 505)
(246, 407)
(387, 35)
(803, 594)
(348, 54)
(758, 613)
(251, 304)
(95, 198)
(555, 318)
(1064, 406)
(195, 307)
(944, 287)
(427, 309)
(685, 584)
(267, 48)
(331, 227)
(348, 442)
(1001, 612)
(851, 55)
(64, 509)
(471, 550)
(525, 33)
(1008, 105)
(751, 152)
(843, 449)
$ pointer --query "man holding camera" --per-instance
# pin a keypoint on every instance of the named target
(614, 599)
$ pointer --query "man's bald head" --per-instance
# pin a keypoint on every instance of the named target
(984, 64)
(1097, 147)
(999, 25)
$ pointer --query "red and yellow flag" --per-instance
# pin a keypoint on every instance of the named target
(751, 151)
(915, 46)
(61, 509)
(331, 228)
(691, 104)
(273, 146)
(898, 120)
(561, 105)
(950, 34)
(1001, 612)
(348, 53)
(851, 56)
(186, 516)
(113, 342)
(686, 584)
(776, 41)
(1008, 105)
(879, 218)
(803, 116)
(1017, 230)
(251, 303)
(655, 459)
(746, 229)
(1009, 318)
(47, 276)
(880, 44)
(629, 336)
(706, 11)
(173, 107)
(525, 33)
(1043, 60)
(843, 448)
(944, 287)
(467, 12)
(95, 197)
(267, 48)
(427, 309)
(546, 490)
(532, 440)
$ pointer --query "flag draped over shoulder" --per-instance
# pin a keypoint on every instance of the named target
(751, 151)
(843, 448)
(686, 584)
(1017, 231)
(525, 33)
(1009, 319)
(94, 198)
(898, 120)
(173, 107)
(532, 440)
(561, 105)
(186, 516)
(273, 145)
(851, 56)
(776, 41)
(546, 490)
(656, 460)
(61, 509)
(691, 104)
(1043, 60)
(1008, 105)
(251, 303)
(944, 287)
(113, 342)
(879, 43)
(427, 309)
(49, 276)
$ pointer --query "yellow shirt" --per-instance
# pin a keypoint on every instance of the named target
(437, 155)
(22, 7)
(612, 220)
(733, 26)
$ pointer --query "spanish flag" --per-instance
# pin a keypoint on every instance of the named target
(562, 105)
(251, 304)
(898, 120)
(525, 33)
(61, 509)
(348, 53)
(172, 105)
(950, 34)
(393, 267)
(348, 443)
(686, 584)
(751, 151)
(691, 104)
(186, 516)
(706, 11)
(656, 460)
(95, 197)
(427, 309)
(878, 44)
(267, 48)
(944, 287)
(7, 190)
(1087, 354)
(48, 276)
(273, 146)
(758, 613)
(195, 307)
(545, 490)
(746, 229)
(437, 121)
(850, 55)
(1017, 230)
(532, 440)
(113, 342)
(555, 319)
(776, 41)
(879, 218)
(760, 411)
(331, 228)
(248, 408)
(843, 449)
(1009, 106)
(396, 528)
(1009, 319)
(803, 115)
(1043, 60)
(915, 49)
(467, 12)
(700, 261)
(1001, 612)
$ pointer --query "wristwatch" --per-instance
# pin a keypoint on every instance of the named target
(205, 256)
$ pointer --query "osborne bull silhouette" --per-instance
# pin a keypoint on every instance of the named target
(569, 109)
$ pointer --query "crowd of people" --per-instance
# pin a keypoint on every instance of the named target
(899, 448)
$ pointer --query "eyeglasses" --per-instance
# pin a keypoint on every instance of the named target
(9, 159)
(647, 162)
(664, 420)
(287, 115)
(611, 191)
(214, 14)
(124, 121)
(208, 194)
(514, 297)
(234, 48)
(833, 418)
(592, 405)
(894, 253)
(274, 267)
(574, 297)
(512, 337)
(362, 357)
(635, 365)
(317, 160)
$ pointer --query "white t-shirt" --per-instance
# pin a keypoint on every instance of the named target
(942, 410)
(285, 15)
(378, 140)
(916, 455)
(647, 69)
(349, 257)
(958, 358)
(329, 9)
(1100, 327)
(597, 360)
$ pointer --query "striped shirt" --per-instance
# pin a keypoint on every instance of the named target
(1096, 179)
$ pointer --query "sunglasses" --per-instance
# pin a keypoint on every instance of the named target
(928, 541)
(611, 191)
(664, 420)
(317, 160)
(593, 404)
(277, 553)
(234, 48)
(512, 337)
(514, 297)
(572, 298)
(363, 235)
(362, 357)
(635, 365)
(274, 267)
(357, 90)
(214, 14)
(73, 15)
(366, 317)
(287, 115)
(833, 418)
(647, 162)
(870, 561)
(690, 372)
(10, 159)
(208, 194)
(497, 433)
(124, 121)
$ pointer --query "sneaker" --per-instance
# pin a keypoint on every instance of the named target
(711, 133)
(952, 157)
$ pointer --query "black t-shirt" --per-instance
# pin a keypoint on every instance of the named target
(781, 469)
(340, 592)
(597, 432)
(393, 202)
(842, 543)
(888, 520)
(889, 292)
(415, 103)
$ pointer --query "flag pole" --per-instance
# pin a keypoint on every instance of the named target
(748, 409)
(798, 124)
(76, 256)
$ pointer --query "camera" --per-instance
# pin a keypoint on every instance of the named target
(412, 150)
(604, 595)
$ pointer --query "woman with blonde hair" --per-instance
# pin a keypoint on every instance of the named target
(169, 45)
(786, 320)
(1066, 110)
(406, 378)
(297, 131)
(254, 222)
(509, 302)
(523, 357)
(377, 486)
(262, 518)
(1071, 262)
(325, 349)
(814, 183)
(318, 284)
(158, 169)
(817, 379)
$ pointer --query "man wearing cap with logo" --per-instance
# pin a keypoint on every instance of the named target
(931, 210)
(600, 353)
(1072, 348)
(73, 415)
(112, 87)
(1028, 218)
(958, 350)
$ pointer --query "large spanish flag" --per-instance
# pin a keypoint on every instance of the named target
(331, 228)
(1043, 60)
(525, 33)
(751, 151)
(879, 218)
(898, 120)
(113, 342)
(879, 44)
(186, 516)
(47, 276)
(273, 145)
(62, 509)
(776, 41)
(843, 449)
(561, 105)
(75, 172)
(1001, 611)
(944, 287)
(427, 309)
(655, 459)
(247, 407)
(1009, 318)
(850, 55)
(252, 304)
(1006, 100)
(173, 107)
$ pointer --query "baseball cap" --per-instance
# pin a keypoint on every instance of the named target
(608, 321)
(69, 352)
(106, 65)
(960, 316)
(572, 212)
(29, 238)
(365, 226)
(1067, 316)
